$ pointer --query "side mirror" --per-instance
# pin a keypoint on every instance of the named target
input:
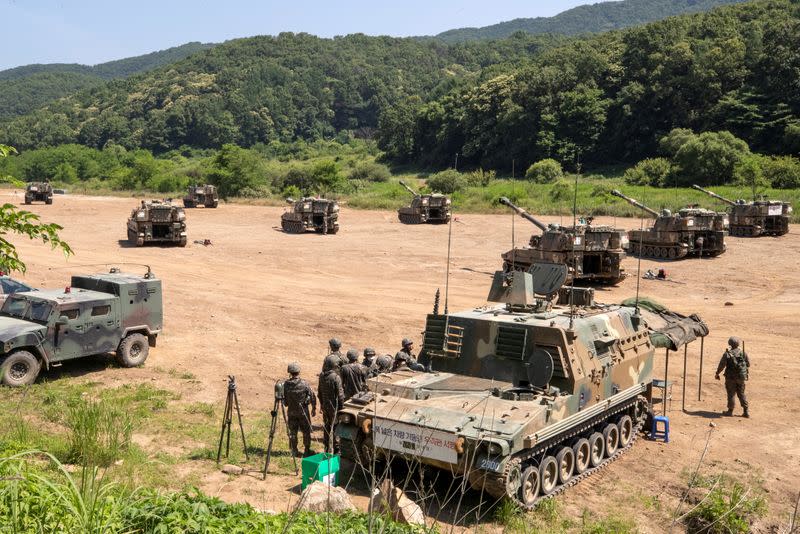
(62, 320)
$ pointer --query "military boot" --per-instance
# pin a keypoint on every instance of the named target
(746, 413)
(728, 412)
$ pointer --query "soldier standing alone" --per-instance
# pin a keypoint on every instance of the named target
(331, 399)
(298, 395)
(737, 369)
(354, 375)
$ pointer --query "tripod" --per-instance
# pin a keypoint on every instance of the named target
(279, 405)
(230, 401)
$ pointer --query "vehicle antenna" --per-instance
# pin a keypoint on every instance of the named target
(639, 256)
(447, 275)
(513, 219)
(574, 256)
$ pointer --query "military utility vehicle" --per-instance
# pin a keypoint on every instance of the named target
(317, 214)
(201, 195)
(526, 397)
(752, 219)
(156, 221)
(592, 253)
(433, 208)
(39, 192)
(96, 314)
(690, 232)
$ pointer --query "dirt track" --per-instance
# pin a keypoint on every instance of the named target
(258, 298)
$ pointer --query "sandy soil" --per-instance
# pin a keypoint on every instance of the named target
(258, 298)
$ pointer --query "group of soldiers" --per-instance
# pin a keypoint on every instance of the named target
(342, 377)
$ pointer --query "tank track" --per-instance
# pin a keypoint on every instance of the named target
(660, 252)
(497, 486)
(293, 227)
(406, 218)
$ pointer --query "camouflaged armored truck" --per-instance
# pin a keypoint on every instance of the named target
(201, 195)
(525, 398)
(592, 254)
(317, 214)
(690, 232)
(96, 314)
(39, 192)
(753, 219)
(433, 208)
(156, 221)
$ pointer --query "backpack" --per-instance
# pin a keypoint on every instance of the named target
(739, 363)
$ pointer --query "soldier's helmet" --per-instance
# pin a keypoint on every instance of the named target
(352, 355)
(384, 362)
(293, 368)
(335, 343)
(331, 363)
(733, 341)
(369, 351)
(407, 342)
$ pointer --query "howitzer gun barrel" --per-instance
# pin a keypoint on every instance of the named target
(634, 202)
(524, 214)
(408, 188)
(713, 194)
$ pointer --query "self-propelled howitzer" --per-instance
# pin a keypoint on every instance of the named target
(432, 208)
(592, 253)
(525, 397)
(690, 231)
(757, 218)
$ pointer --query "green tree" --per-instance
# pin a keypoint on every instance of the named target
(653, 171)
(234, 169)
(446, 182)
(545, 171)
(748, 173)
(709, 158)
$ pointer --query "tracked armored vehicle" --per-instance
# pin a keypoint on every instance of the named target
(753, 219)
(690, 232)
(201, 195)
(433, 209)
(39, 192)
(592, 254)
(155, 221)
(317, 214)
(526, 397)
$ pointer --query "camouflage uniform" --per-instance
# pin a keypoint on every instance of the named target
(369, 358)
(736, 365)
(298, 395)
(405, 357)
(335, 345)
(331, 398)
(383, 364)
(354, 375)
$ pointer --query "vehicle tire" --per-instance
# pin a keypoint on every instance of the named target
(583, 455)
(529, 489)
(133, 350)
(20, 368)
(625, 427)
(611, 439)
(566, 464)
(597, 446)
(548, 475)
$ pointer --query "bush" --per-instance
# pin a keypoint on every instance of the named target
(562, 190)
(654, 171)
(447, 182)
(544, 171)
(709, 158)
(479, 178)
(729, 508)
(782, 172)
(99, 432)
(371, 172)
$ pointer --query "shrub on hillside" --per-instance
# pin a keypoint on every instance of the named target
(447, 182)
(782, 172)
(653, 171)
(370, 171)
(544, 171)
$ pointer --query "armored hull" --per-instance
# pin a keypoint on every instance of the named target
(158, 223)
(432, 209)
(203, 195)
(317, 214)
(754, 219)
(39, 192)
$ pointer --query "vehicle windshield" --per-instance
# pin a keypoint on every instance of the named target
(29, 309)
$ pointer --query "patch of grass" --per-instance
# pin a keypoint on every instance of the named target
(727, 507)
(202, 408)
(99, 433)
(613, 524)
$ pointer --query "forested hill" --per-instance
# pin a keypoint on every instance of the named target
(593, 18)
(25, 88)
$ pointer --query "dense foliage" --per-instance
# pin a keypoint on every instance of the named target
(599, 17)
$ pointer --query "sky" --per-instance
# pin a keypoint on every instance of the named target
(95, 31)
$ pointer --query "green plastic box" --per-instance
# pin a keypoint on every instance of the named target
(323, 467)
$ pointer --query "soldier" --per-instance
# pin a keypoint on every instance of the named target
(298, 395)
(331, 398)
(736, 365)
(405, 357)
(369, 358)
(354, 375)
(335, 346)
(383, 364)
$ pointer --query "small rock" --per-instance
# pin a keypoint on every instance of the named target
(320, 497)
(729, 304)
(712, 424)
(402, 509)
(230, 469)
(119, 462)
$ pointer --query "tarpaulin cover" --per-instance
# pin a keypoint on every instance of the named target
(668, 329)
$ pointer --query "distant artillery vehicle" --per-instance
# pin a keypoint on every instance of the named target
(526, 397)
(39, 192)
(201, 195)
(753, 219)
(433, 208)
(96, 314)
(692, 231)
(156, 221)
(317, 214)
(592, 254)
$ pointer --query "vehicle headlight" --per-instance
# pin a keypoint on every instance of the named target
(345, 418)
(181, 216)
(140, 215)
(447, 201)
(495, 448)
(424, 201)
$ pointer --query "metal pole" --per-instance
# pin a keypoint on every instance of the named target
(666, 381)
(683, 389)
(700, 377)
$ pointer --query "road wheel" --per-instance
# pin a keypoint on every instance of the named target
(583, 455)
(598, 448)
(20, 369)
(215, 204)
(548, 474)
(48, 201)
(648, 251)
(611, 439)
(566, 464)
(529, 489)
(625, 427)
(182, 242)
(133, 350)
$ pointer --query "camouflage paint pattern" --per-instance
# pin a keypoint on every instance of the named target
(317, 214)
(39, 192)
(432, 208)
(155, 221)
(753, 219)
(201, 195)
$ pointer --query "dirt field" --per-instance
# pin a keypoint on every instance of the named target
(258, 298)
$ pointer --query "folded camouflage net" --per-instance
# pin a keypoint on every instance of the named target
(668, 329)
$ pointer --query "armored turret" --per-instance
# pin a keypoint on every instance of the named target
(156, 221)
(318, 214)
(592, 254)
(757, 218)
(433, 208)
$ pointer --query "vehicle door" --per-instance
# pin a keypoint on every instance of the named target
(70, 333)
(102, 327)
